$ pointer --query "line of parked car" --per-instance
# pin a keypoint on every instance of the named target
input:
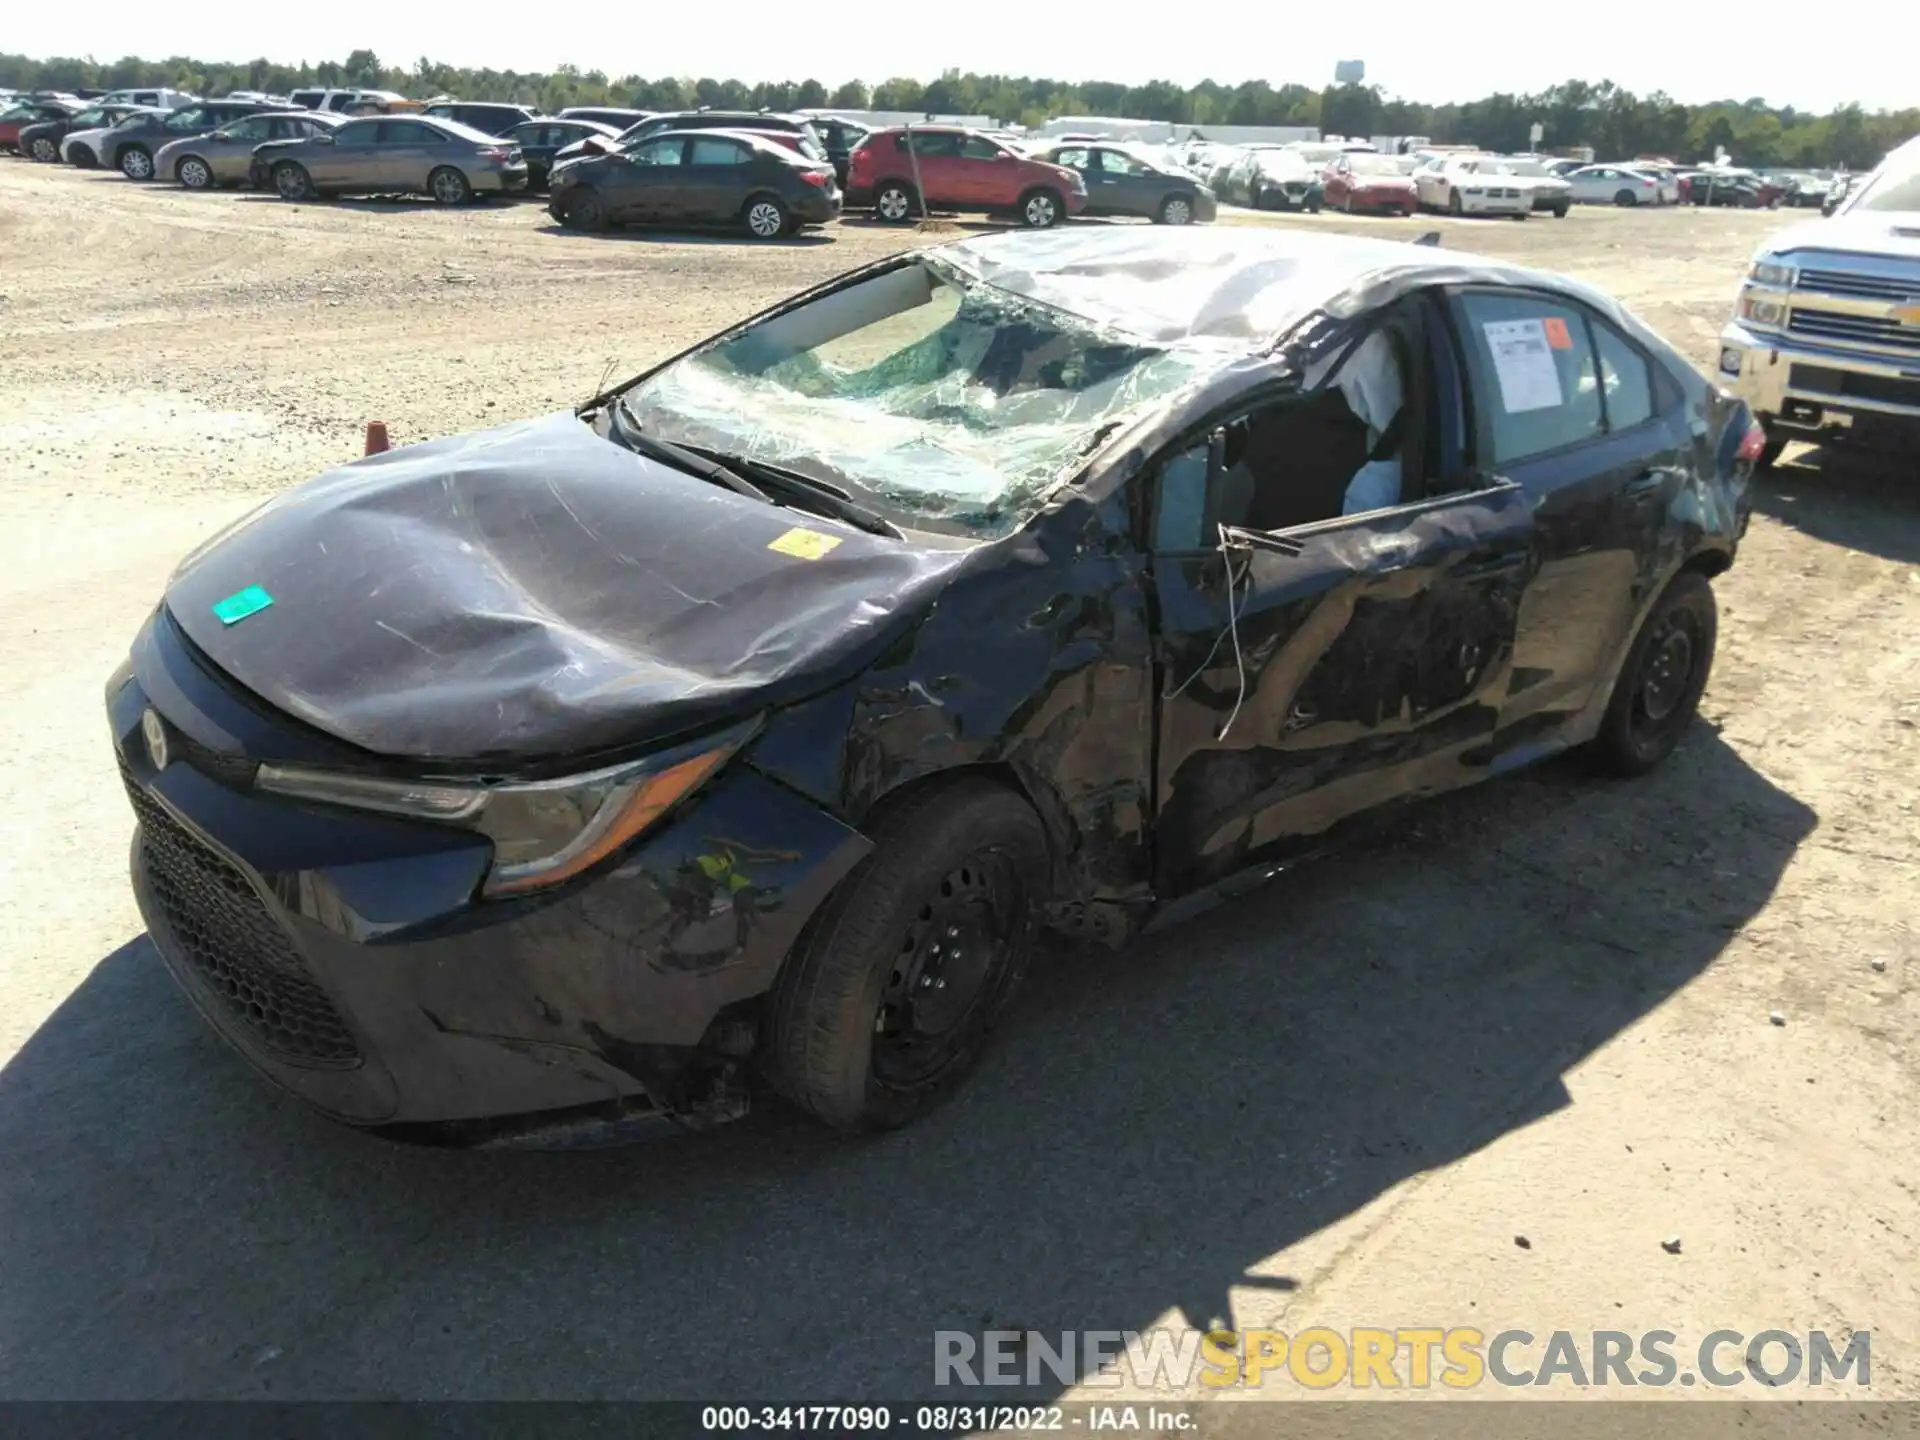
(772, 174)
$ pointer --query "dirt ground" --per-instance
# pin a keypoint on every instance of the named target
(1539, 1009)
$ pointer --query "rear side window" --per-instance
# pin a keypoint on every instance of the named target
(938, 143)
(718, 152)
(1536, 387)
(1626, 380)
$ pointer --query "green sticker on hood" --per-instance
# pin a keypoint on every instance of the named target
(236, 608)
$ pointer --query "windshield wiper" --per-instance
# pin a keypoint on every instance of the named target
(811, 493)
(667, 453)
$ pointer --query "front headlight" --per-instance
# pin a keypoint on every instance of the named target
(1758, 309)
(543, 831)
(1768, 272)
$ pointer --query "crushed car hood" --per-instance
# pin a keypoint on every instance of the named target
(536, 592)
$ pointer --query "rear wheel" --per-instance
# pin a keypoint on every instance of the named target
(1176, 210)
(897, 983)
(194, 173)
(1626, 197)
(136, 163)
(894, 203)
(766, 218)
(1659, 688)
(1455, 205)
(449, 186)
(1041, 209)
(44, 149)
(291, 181)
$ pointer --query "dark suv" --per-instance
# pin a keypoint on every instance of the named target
(129, 148)
(487, 119)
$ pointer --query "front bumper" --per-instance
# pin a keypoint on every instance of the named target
(1520, 203)
(1819, 391)
(345, 956)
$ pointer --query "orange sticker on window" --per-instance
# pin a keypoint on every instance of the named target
(1557, 335)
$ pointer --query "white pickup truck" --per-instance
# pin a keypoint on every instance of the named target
(1824, 343)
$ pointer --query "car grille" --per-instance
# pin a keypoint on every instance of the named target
(1895, 288)
(238, 950)
(1857, 329)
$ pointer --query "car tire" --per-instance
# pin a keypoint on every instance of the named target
(1312, 206)
(585, 210)
(1560, 211)
(44, 150)
(291, 181)
(83, 158)
(1771, 452)
(1660, 684)
(449, 186)
(1455, 206)
(894, 203)
(765, 218)
(863, 1034)
(1042, 209)
(136, 162)
(194, 173)
(1625, 198)
(1175, 210)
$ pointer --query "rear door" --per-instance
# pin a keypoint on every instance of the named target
(1311, 673)
(409, 152)
(1593, 430)
(937, 155)
(712, 185)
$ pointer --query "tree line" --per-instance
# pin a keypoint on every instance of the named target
(1615, 122)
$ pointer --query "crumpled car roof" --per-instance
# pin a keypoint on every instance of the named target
(1236, 287)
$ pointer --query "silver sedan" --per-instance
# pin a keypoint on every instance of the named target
(221, 157)
(379, 155)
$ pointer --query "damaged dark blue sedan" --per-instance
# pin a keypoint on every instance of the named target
(740, 731)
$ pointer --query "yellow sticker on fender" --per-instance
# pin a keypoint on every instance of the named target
(804, 544)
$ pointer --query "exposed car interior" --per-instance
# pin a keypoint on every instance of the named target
(1383, 428)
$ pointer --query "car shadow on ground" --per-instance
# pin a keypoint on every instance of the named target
(1859, 499)
(1154, 1125)
(667, 235)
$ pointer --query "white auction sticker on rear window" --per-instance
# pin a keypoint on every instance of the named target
(1523, 360)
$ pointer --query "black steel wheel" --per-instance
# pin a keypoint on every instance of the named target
(585, 210)
(1659, 687)
(895, 987)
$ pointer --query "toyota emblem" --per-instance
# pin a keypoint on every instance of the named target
(155, 731)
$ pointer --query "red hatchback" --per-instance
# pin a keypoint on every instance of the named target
(1361, 181)
(959, 170)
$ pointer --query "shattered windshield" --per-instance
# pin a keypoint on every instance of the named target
(938, 400)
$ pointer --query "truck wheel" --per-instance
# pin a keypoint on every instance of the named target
(1660, 685)
(897, 982)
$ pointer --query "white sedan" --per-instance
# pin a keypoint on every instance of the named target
(1456, 184)
(1614, 185)
(82, 147)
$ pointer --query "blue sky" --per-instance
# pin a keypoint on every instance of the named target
(1423, 52)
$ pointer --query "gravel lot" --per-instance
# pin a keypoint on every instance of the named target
(1537, 1009)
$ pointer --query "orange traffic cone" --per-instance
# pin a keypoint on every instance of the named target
(376, 436)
